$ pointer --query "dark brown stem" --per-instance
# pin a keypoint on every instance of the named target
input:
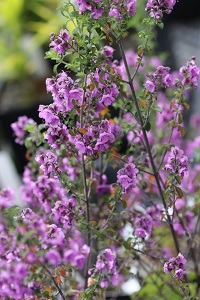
(55, 283)
(87, 212)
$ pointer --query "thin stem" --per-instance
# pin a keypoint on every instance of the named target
(55, 283)
(169, 140)
(142, 55)
(87, 212)
(140, 169)
(155, 172)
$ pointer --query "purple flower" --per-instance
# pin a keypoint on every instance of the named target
(53, 257)
(83, 6)
(54, 235)
(107, 100)
(150, 86)
(177, 264)
(190, 74)
(179, 273)
(156, 8)
(63, 212)
(97, 13)
(109, 255)
(131, 6)
(167, 80)
(126, 177)
(114, 12)
(49, 114)
(76, 253)
(104, 283)
(159, 79)
(6, 198)
(100, 265)
(177, 163)
(60, 42)
(19, 128)
(107, 51)
(114, 278)
(143, 225)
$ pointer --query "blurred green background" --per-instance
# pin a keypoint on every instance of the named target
(25, 27)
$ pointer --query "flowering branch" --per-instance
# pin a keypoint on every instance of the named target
(148, 147)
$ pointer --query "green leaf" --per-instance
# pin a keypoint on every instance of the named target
(180, 118)
(147, 126)
(30, 127)
(158, 108)
(28, 142)
(166, 195)
(179, 191)
(182, 131)
(126, 245)
(45, 294)
(160, 25)
(178, 179)
(124, 204)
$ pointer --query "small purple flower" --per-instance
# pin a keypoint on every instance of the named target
(104, 283)
(97, 13)
(143, 225)
(60, 42)
(107, 100)
(177, 264)
(177, 162)
(6, 198)
(131, 6)
(107, 51)
(150, 86)
(114, 278)
(19, 128)
(114, 12)
(156, 8)
(100, 265)
(53, 257)
(190, 74)
(179, 273)
(126, 177)
(159, 79)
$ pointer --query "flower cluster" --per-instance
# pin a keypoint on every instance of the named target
(13, 267)
(116, 10)
(6, 198)
(58, 245)
(47, 193)
(160, 78)
(13, 274)
(190, 74)
(19, 128)
(106, 266)
(126, 177)
(176, 264)
(63, 212)
(48, 163)
(143, 225)
(155, 8)
(63, 92)
(99, 137)
(177, 162)
(60, 42)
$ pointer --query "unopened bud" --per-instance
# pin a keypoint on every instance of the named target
(91, 281)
